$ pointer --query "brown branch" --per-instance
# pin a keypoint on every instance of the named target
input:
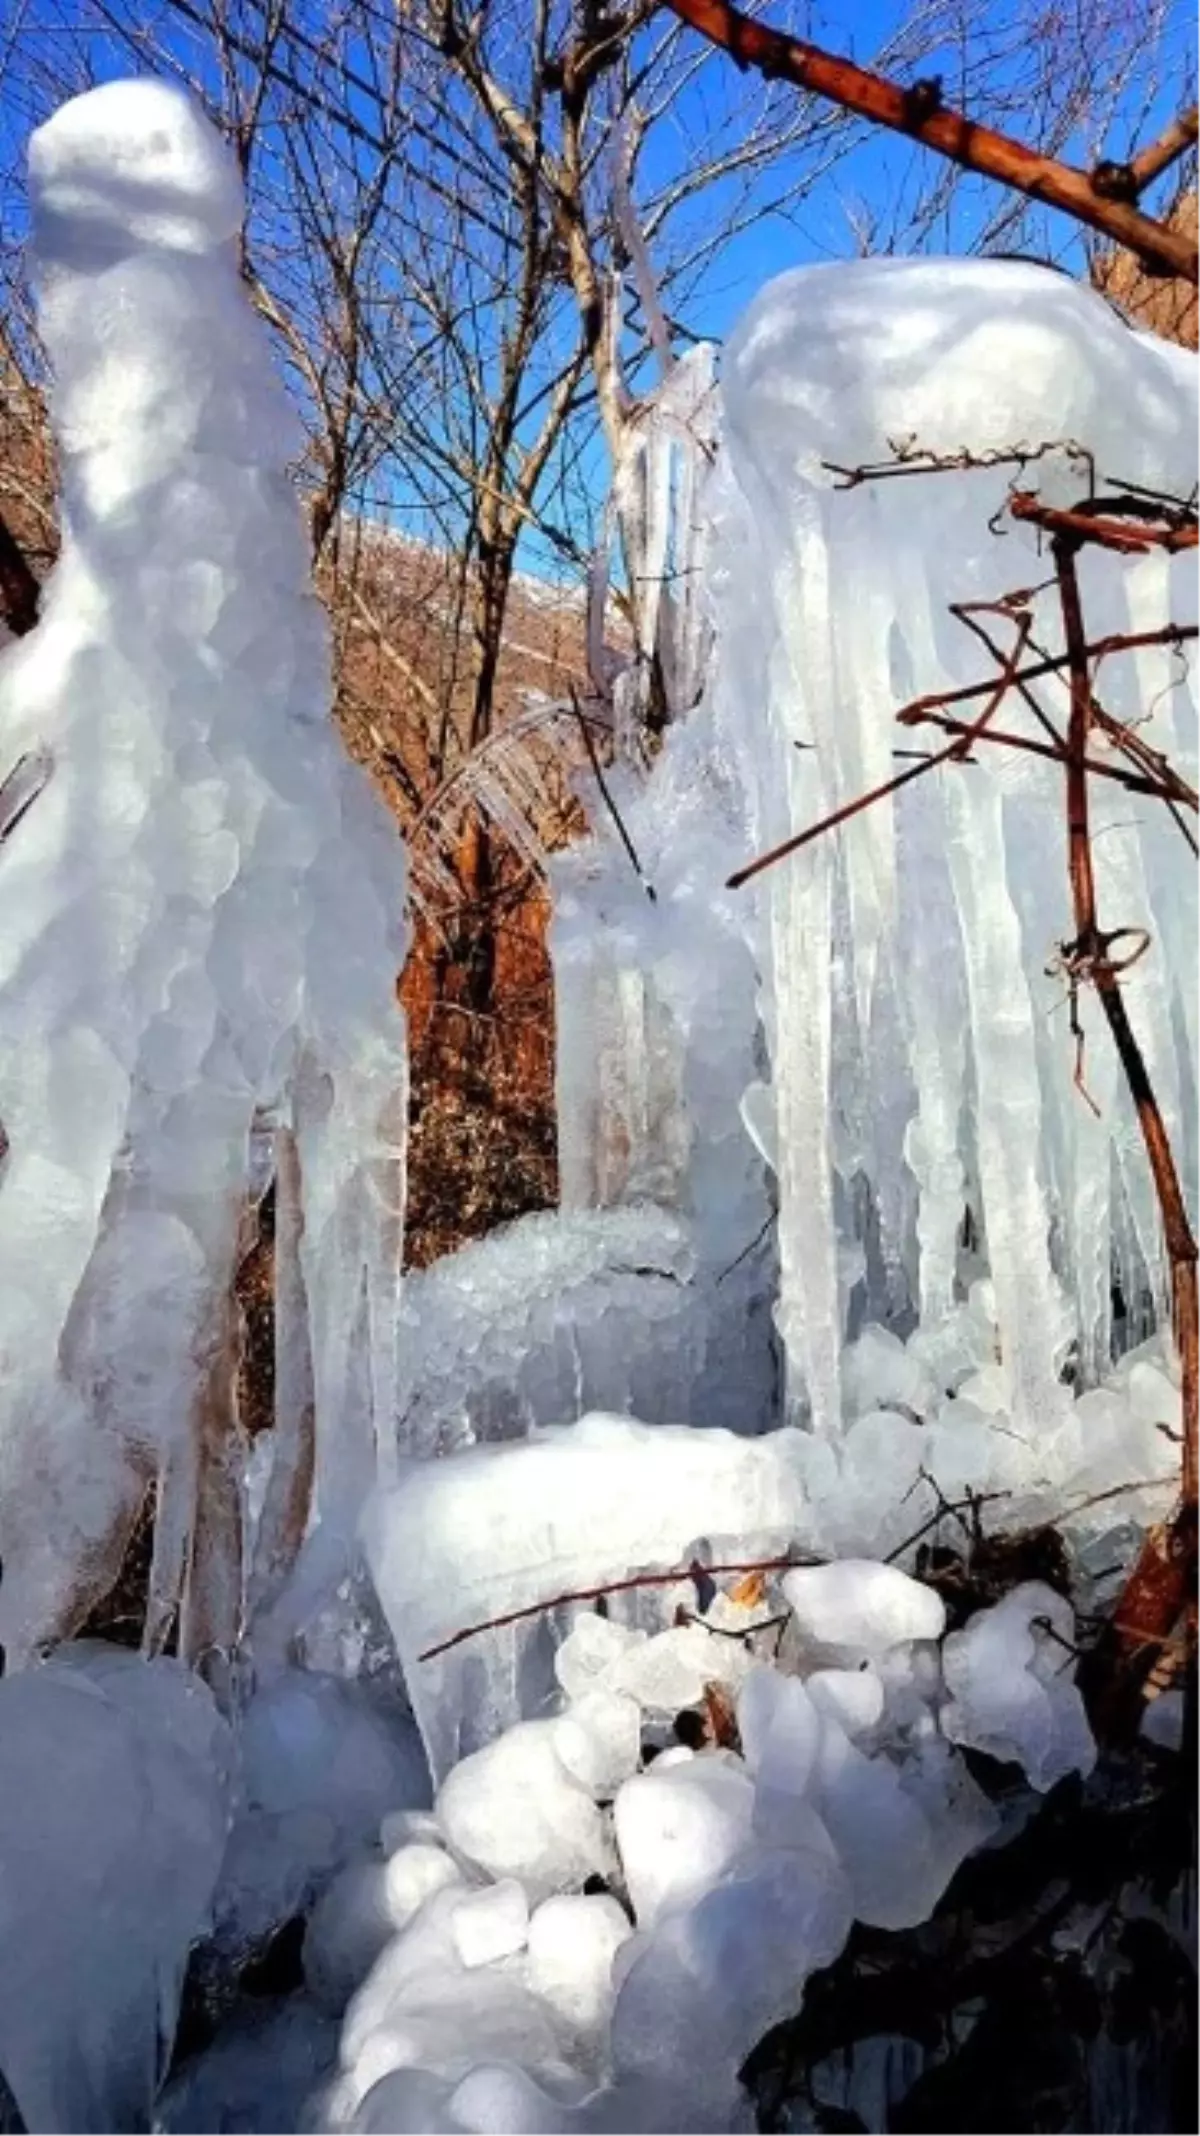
(1152, 161)
(20, 594)
(1099, 649)
(1134, 782)
(1089, 953)
(615, 1587)
(948, 133)
(1107, 533)
(956, 750)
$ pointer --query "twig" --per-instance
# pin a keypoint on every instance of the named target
(909, 458)
(613, 810)
(616, 1587)
(911, 715)
(1152, 161)
(1107, 531)
(1090, 949)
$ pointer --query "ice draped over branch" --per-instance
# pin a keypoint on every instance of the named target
(202, 925)
(918, 1043)
(920, 1055)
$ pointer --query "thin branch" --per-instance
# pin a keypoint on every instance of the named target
(1151, 162)
(691, 1572)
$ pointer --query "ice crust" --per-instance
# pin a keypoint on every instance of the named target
(204, 902)
(575, 1310)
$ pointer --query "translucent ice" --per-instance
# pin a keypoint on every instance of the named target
(678, 1831)
(573, 1940)
(856, 1609)
(514, 1810)
(180, 895)
(1010, 1674)
(113, 1779)
(494, 1529)
(906, 1007)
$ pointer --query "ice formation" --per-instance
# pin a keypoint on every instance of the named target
(786, 1097)
(914, 1052)
(113, 1805)
(914, 1074)
(511, 1996)
(495, 1529)
(917, 1064)
(203, 922)
(564, 1311)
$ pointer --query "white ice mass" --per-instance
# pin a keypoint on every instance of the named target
(824, 1169)
(204, 918)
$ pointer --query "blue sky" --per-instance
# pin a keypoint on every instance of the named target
(877, 181)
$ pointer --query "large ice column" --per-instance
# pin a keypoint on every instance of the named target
(203, 909)
(921, 1058)
(654, 981)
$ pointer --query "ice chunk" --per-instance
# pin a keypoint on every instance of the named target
(495, 1529)
(1010, 1674)
(671, 1670)
(414, 1872)
(779, 1727)
(857, 1609)
(513, 1810)
(403, 1828)
(347, 1929)
(360, 1911)
(713, 1977)
(677, 1831)
(491, 1924)
(879, 1372)
(322, 1761)
(599, 1740)
(114, 1781)
(852, 1697)
(593, 1646)
(883, 1839)
(573, 1940)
